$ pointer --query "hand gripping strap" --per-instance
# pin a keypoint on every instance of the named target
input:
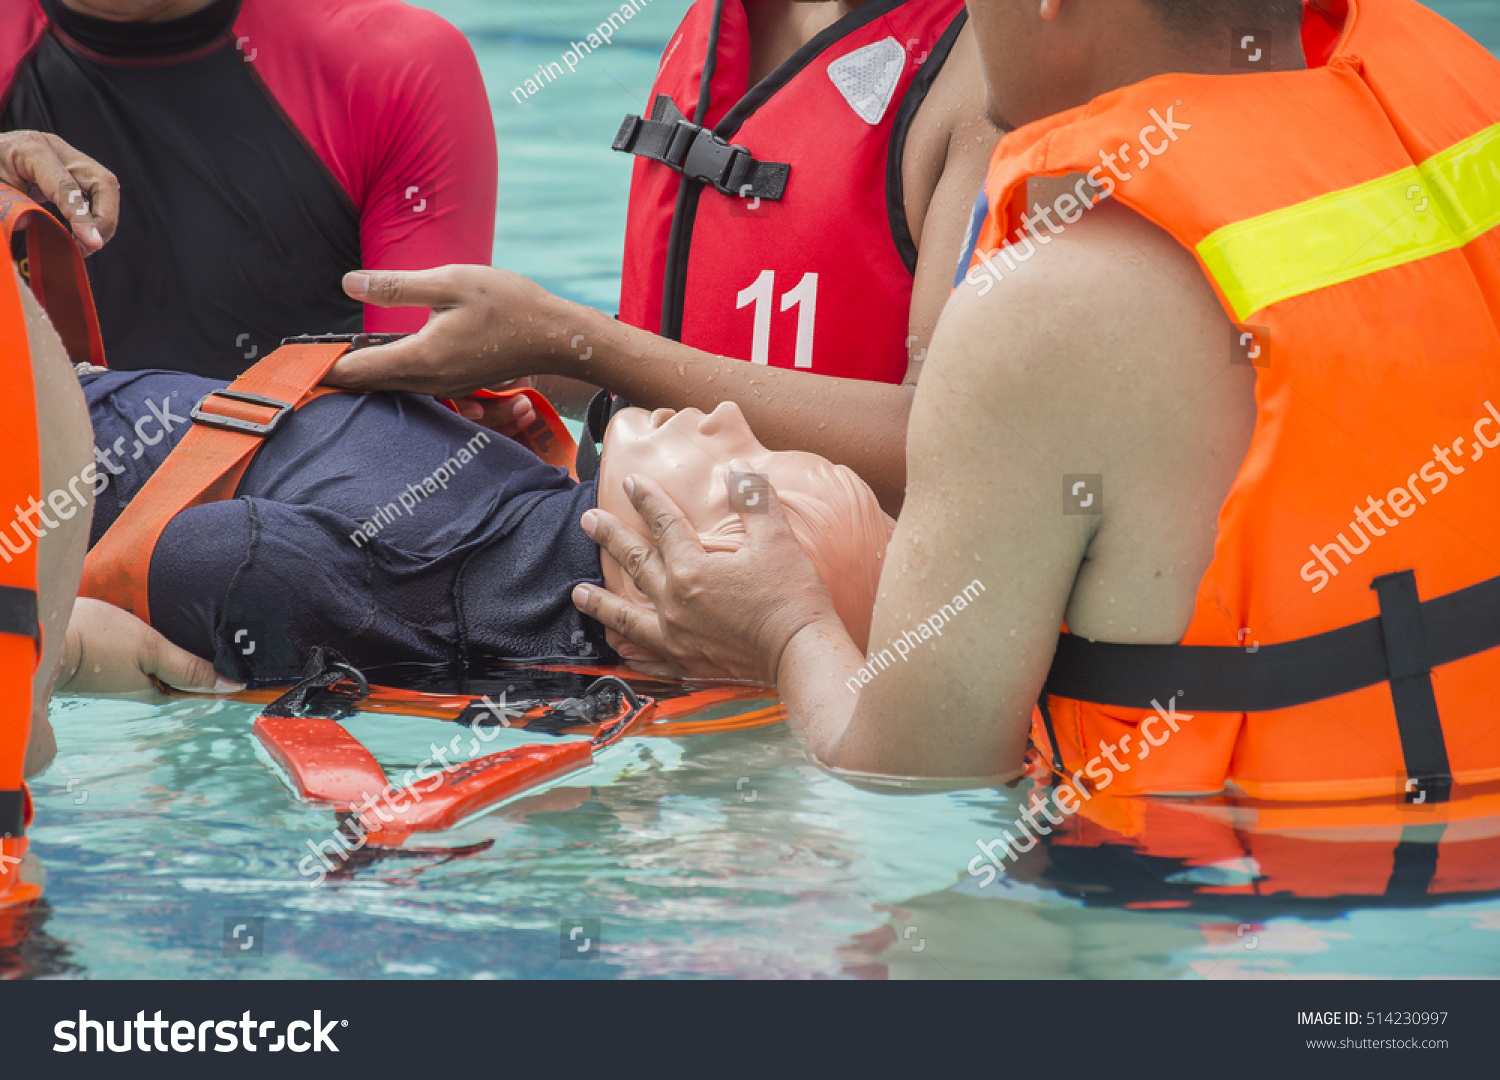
(205, 467)
(54, 270)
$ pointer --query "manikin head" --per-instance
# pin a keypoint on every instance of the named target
(833, 513)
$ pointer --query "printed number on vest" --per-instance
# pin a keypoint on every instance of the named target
(804, 298)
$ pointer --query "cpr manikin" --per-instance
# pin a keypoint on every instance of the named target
(832, 512)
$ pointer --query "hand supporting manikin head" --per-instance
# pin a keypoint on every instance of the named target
(832, 512)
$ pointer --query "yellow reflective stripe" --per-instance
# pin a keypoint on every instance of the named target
(1440, 205)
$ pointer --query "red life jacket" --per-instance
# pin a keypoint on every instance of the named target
(793, 250)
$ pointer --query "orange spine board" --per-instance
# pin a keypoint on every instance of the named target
(324, 762)
(464, 790)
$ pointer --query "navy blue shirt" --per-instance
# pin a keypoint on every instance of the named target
(383, 525)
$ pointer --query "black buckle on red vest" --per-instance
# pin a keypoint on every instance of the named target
(699, 154)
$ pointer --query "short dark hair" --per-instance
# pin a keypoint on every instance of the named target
(1199, 18)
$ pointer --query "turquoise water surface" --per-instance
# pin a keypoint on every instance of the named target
(161, 823)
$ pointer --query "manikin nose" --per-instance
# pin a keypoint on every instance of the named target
(723, 416)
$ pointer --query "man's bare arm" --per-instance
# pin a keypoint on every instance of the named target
(948, 152)
(489, 326)
(1071, 367)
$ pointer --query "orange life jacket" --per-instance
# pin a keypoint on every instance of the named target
(20, 629)
(55, 272)
(1343, 644)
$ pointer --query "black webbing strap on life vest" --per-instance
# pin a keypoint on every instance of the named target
(18, 613)
(602, 409)
(12, 814)
(1401, 646)
(18, 616)
(1409, 668)
(699, 154)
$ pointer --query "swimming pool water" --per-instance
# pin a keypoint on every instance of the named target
(716, 855)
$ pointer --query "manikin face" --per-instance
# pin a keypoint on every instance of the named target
(689, 454)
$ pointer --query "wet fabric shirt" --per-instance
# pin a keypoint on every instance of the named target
(264, 149)
(383, 525)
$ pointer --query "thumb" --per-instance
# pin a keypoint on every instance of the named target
(401, 288)
(184, 671)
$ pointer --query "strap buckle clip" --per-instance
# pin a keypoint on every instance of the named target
(699, 154)
(356, 341)
(234, 423)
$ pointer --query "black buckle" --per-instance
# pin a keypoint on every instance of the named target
(625, 137)
(705, 157)
(356, 341)
(12, 815)
(320, 691)
(18, 612)
(234, 423)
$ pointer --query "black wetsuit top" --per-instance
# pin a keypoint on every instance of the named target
(479, 565)
(232, 234)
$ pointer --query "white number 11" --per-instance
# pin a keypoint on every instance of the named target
(804, 298)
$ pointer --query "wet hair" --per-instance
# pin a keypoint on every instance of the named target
(845, 533)
(1203, 18)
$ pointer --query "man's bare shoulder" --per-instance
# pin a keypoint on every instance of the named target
(1106, 355)
(1111, 316)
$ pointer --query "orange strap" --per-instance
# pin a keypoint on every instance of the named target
(548, 438)
(206, 466)
(54, 269)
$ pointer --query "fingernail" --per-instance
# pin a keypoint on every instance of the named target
(590, 519)
(357, 285)
(91, 234)
(630, 487)
(580, 595)
(227, 686)
(471, 410)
